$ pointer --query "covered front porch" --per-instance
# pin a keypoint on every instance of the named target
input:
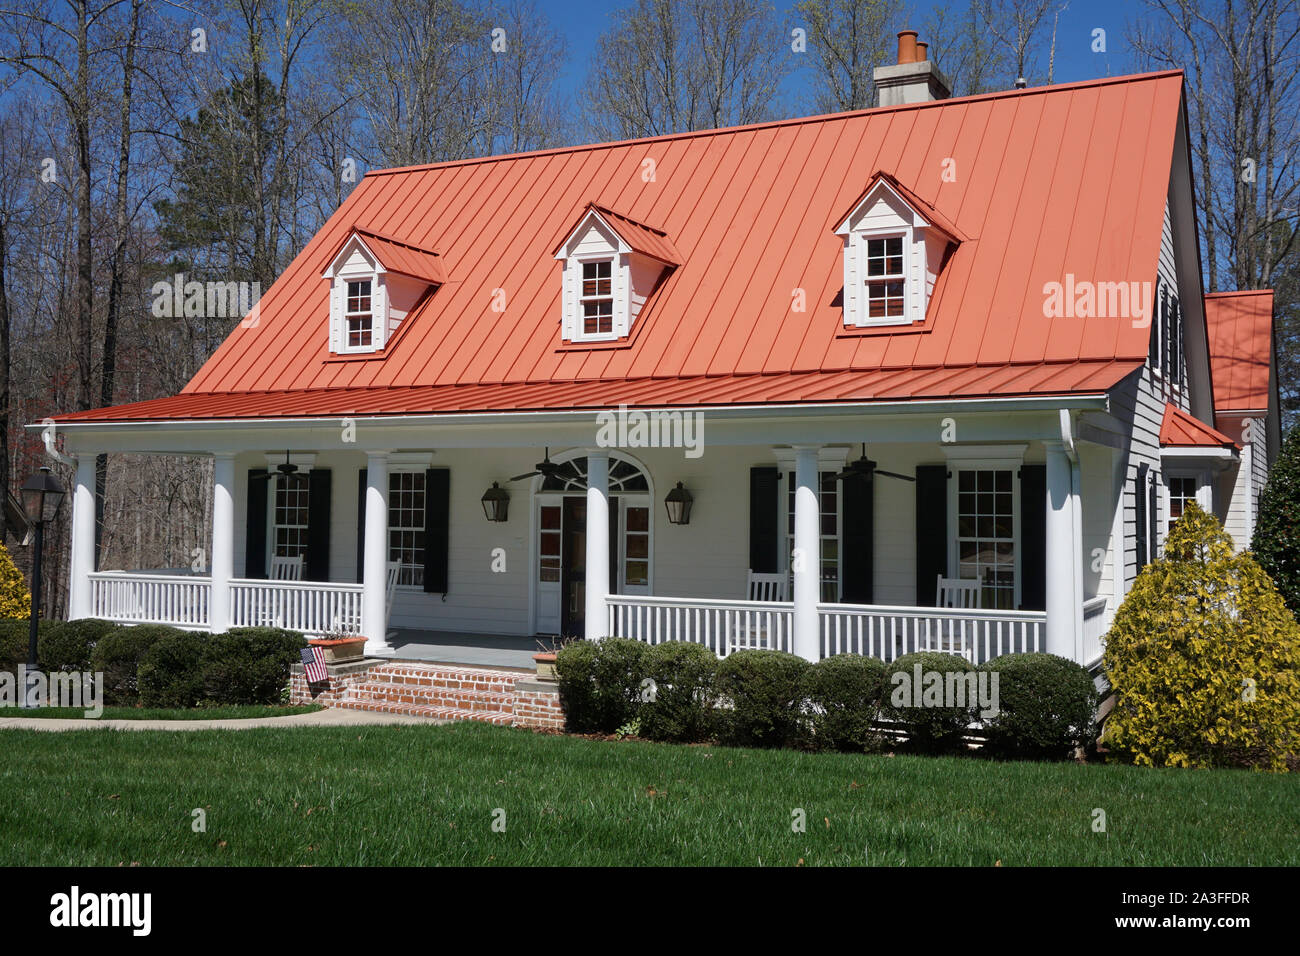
(1021, 497)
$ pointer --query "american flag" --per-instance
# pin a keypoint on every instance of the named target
(313, 662)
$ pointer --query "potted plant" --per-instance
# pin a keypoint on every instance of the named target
(340, 646)
(545, 656)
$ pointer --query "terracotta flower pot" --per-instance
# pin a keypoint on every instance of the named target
(338, 650)
(545, 662)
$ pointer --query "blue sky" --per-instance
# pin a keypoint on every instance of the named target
(583, 21)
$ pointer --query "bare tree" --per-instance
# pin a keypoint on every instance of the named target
(962, 44)
(674, 65)
(848, 39)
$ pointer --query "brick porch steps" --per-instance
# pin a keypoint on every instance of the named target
(448, 692)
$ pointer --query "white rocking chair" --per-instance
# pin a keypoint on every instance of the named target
(351, 623)
(747, 633)
(286, 569)
(957, 593)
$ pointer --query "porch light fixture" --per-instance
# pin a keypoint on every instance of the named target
(42, 495)
(496, 502)
(678, 504)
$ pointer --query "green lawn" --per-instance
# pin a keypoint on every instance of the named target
(161, 713)
(426, 795)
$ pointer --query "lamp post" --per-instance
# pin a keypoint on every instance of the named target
(42, 496)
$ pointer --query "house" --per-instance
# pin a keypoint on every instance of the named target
(756, 386)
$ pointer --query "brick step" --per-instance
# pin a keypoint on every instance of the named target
(417, 710)
(417, 669)
(464, 699)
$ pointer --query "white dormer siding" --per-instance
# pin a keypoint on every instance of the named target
(632, 276)
(356, 263)
(881, 216)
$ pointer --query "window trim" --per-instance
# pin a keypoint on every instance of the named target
(394, 470)
(580, 332)
(304, 475)
(867, 281)
(348, 315)
(860, 238)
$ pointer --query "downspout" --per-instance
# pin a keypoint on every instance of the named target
(49, 437)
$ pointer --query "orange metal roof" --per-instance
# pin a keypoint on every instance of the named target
(641, 238)
(1180, 430)
(398, 256)
(1049, 181)
(1241, 345)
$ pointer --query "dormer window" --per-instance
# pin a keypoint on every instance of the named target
(895, 245)
(611, 265)
(360, 318)
(886, 281)
(375, 282)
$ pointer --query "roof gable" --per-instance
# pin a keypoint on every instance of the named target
(625, 233)
(885, 188)
(389, 255)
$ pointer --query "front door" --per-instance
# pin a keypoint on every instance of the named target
(562, 564)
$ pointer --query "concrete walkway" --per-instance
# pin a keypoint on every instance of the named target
(329, 717)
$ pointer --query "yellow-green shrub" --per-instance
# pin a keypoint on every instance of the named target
(15, 600)
(1204, 658)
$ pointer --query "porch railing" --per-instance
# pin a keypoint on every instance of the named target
(721, 626)
(130, 598)
(1096, 621)
(312, 607)
(890, 632)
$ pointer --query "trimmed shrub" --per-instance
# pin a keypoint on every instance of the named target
(600, 683)
(682, 707)
(14, 643)
(68, 645)
(117, 654)
(1046, 707)
(1204, 659)
(767, 702)
(1278, 525)
(845, 692)
(936, 714)
(249, 665)
(171, 671)
(15, 599)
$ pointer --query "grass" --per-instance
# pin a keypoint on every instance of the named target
(231, 712)
(427, 795)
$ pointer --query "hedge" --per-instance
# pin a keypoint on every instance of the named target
(845, 693)
(601, 683)
(68, 645)
(680, 705)
(766, 702)
(248, 665)
(929, 725)
(118, 654)
(1046, 707)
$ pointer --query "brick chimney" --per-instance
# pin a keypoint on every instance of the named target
(913, 79)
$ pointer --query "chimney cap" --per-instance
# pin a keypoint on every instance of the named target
(922, 51)
(907, 46)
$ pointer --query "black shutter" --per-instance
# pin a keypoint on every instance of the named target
(437, 515)
(613, 545)
(1153, 515)
(1140, 516)
(318, 525)
(361, 526)
(931, 530)
(858, 539)
(1033, 537)
(1153, 341)
(255, 525)
(763, 532)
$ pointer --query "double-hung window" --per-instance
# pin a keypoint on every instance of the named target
(359, 319)
(1182, 492)
(597, 299)
(406, 519)
(885, 281)
(828, 519)
(289, 526)
(986, 533)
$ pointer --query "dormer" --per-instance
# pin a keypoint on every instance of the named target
(611, 265)
(895, 245)
(375, 282)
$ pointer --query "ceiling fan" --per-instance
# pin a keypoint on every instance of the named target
(285, 468)
(545, 468)
(864, 467)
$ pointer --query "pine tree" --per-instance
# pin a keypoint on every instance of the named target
(1276, 543)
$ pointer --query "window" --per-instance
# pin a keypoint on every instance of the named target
(636, 541)
(406, 525)
(884, 279)
(829, 521)
(359, 318)
(289, 538)
(986, 544)
(1182, 491)
(1165, 354)
(597, 298)
(548, 570)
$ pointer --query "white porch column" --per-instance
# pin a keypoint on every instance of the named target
(806, 561)
(597, 582)
(83, 539)
(223, 541)
(374, 593)
(1064, 560)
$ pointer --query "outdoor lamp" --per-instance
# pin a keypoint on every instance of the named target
(496, 502)
(42, 496)
(678, 504)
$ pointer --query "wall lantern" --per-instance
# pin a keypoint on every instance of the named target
(496, 502)
(678, 504)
